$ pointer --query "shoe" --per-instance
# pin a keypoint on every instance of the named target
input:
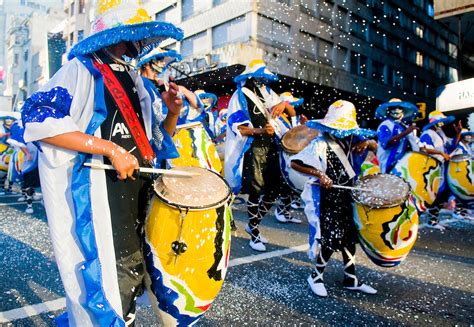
(318, 288)
(37, 197)
(263, 239)
(297, 204)
(258, 245)
(363, 288)
(286, 219)
(21, 198)
(29, 210)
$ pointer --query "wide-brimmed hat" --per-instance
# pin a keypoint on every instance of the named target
(206, 95)
(222, 114)
(13, 115)
(256, 69)
(341, 121)
(409, 109)
(121, 21)
(436, 117)
(466, 132)
(167, 56)
(288, 96)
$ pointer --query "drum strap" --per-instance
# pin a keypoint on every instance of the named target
(126, 109)
(342, 157)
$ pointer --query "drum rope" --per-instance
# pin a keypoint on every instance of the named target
(178, 246)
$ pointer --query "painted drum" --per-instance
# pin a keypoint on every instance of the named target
(6, 152)
(460, 176)
(294, 141)
(15, 168)
(187, 243)
(424, 173)
(195, 148)
(386, 218)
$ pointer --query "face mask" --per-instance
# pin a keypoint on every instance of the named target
(439, 125)
(396, 113)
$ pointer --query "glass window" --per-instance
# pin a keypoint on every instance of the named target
(218, 2)
(325, 10)
(363, 66)
(453, 50)
(389, 76)
(418, 29)
(340, 18)
(308, 45)
(397, 79)
(378, 70)
(194, 44)
(193, 7)
(16, 59)
(408, 83)
(430, 36)
(419, 58)
(394, 45)
(442, 71)
(325, 51)
(441, 43)
(235, 30)
(405, 21)
(419, 87)
(71, 38)
(71, 11)
(376, 36)
(309, 7)
(355, 63)
(358, 27)
(80, 35)
(341, 58)
(169, 14)
(286, 2)
(273, 32)
(82, 6)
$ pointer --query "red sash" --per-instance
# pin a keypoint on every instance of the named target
(126, 108)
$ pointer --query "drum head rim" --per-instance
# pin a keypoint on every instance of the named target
(292, 150)
(424, 154)
(195, 208)
(405, 198)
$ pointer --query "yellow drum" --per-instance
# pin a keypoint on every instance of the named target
(424, 173)
(386, 218)
(187, 243)
(295, 140)
(461, 176)
(6, 152)
(195, 148)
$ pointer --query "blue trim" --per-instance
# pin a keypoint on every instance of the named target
(315, 197)
(297, 103)
(409, 109)
(153, 32)
(259, 73)
(339, 133)
(143, 59)
(446, 120)
(55, 103)
(207, 95)
(96, 302)
(467, 133)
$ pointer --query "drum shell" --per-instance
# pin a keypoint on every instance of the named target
(387, 234)
(424, 173)
(186, 285)
(5, 156)
(460, 177)
(195, 148)
(294, 179)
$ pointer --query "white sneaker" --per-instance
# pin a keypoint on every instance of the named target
(29, 210)
(297, 204)
(364, 288)
(258, 245)
(21, 198)
(263, 239)
(318, 288)
(37, 197)
(283, 219)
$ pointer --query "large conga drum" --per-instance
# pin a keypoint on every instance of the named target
(460, 176)
(295, 140)
(386, 218)
(187, 243)
(424, 173)
(6, 152)
(195, 148)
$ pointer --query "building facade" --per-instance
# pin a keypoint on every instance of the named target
(364, 50)
(77, 25)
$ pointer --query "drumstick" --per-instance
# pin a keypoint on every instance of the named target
(349, 188)
(146, 170)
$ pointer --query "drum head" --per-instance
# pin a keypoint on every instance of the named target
(297, 138)
(460, 157)
(385, 191)
(202, 192)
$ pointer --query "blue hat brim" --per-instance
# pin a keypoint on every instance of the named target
(467, 133)
(170, 53)
(259, 73)
(340, 133)
(206, 95)
(153, 32)
(409, 109)
(297, 103)
(446, 120)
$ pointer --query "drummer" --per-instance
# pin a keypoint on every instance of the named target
(465, 144)
(393, 134)
(207, 117)
(328, 160)
(251, 155)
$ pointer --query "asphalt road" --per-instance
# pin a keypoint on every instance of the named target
(432, 287)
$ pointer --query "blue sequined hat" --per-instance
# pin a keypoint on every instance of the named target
(206, 95)
(288, 96)
(166, 56)
(409, 109)
(256, 69)
(122, 21)
(436, 117)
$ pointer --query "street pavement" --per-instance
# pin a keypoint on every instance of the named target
(432, 287)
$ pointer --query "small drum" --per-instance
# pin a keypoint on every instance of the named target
(424, 173)
(461, 176)
(195, 148)
(386, 218)
(187, 243)
(295, 140)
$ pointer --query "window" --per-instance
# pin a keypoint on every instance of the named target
(169, 15)
(80, 35)
(390, 11)
(71, 11)
(408, 83)
(394, 45)
(430, 36)
(71, 38)
(453, 50)
(378, 71)
(310, 8)
(235, 30)
(274, 32)
(341, 58)
(419, 3)
(82, 6)
(358, 64)
(405, 21)
(325, 51)
(193, 7)
(340, 18)
(286, 2)
(376, 37)
(25, 77)
(325, 10)
(398, 79)
(418, 29)
(409, 53)
(218, 2)
(16, 59)
(441, 43)
(419, 87)
(358, 27)
(419, 58)
(194, 44)
(442, 71)
(308, 44)
(25, 55)
(389, 76)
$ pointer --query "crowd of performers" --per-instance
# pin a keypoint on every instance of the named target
(114, 104)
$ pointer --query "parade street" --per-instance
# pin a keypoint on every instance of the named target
(432, 287)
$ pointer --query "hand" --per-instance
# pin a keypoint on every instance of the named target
(171, 99)
(446, 156)
(303, 119)
(268, 130)
(458, 127)
(278, 109)
(411, 128)
(124, 163)
(325, 181)
(361, 146)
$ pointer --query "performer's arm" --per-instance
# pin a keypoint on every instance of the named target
(174, 104)
(364, 145)
(394, 140)
(250, 131)
(124, 163)
(283, 106)
(433, 151)
(324, 180)
(190, 96)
